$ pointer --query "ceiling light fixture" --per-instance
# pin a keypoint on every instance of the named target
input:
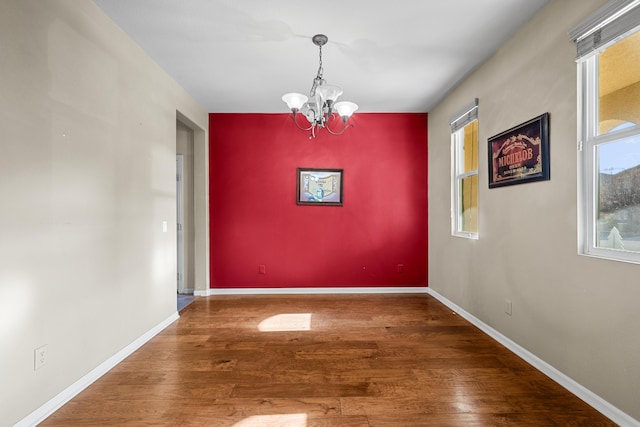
(320, 105)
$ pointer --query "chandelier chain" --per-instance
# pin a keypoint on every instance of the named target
(316, 81)
(320, 69)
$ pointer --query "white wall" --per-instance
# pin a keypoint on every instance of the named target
(579, 314)
(87, 176)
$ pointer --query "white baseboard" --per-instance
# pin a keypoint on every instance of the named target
(74, 389)
(199, 293)
(608, 410)
(310, 291)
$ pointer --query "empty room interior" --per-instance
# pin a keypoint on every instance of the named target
(363, 213)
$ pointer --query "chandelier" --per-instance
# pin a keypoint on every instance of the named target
(320, 105)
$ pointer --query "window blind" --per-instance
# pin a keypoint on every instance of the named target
(611, 21)
(464, 116)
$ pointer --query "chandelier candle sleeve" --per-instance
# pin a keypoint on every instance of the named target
(320, 105)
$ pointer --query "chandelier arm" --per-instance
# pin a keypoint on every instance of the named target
(293, 117)
(345, 126)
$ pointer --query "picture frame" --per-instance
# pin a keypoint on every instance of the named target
(319, 187)
(520, 154)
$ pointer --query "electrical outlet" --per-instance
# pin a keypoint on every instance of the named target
(507, 306)
(400, 268)
(262, 269)
(40, 356)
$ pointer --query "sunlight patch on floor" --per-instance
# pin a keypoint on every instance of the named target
(286, 322)
(284, 420)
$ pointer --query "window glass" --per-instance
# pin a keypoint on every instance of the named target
(465, 143)
(618, 207)
(470, 147)
(619, 84)
(469, 204)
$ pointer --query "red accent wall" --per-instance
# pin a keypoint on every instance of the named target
(255, 220)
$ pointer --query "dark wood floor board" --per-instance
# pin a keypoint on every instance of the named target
(310, 406)
(291, 390)
(466, 420)
(185, 378)
(201, 364)
(179, 339)
(324, 361)
(144, 392)
(445, 403)
(287, 363)
(358, 375)
(450, 351)
(81, 412)
(457, 375)
(467, 361)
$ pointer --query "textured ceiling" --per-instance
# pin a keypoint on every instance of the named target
(242, 55)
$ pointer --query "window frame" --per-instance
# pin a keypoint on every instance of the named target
(459, 121)
(588, 169)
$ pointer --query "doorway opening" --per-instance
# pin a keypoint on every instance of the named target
(185, 215)
(192, 208)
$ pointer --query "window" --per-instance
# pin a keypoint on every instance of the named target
(609, 84)
(464, 165)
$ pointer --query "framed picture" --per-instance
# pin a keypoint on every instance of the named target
(319, 187)
(520, 154)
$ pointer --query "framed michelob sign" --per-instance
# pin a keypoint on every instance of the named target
(319, 187)
(520, 154)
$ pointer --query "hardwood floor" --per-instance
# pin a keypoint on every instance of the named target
(340, 360)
